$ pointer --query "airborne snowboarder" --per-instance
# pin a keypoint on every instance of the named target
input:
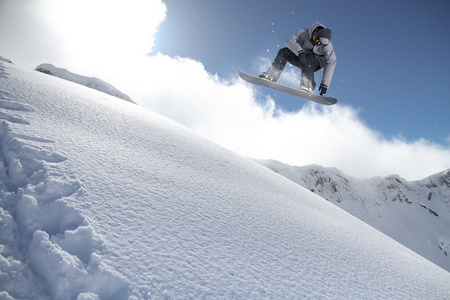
(310, 49)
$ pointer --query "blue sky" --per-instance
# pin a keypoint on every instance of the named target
(178, 58)
(393, 61)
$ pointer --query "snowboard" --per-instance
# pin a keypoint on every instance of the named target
(286, 89)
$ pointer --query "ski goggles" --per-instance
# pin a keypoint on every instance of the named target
(322, 41)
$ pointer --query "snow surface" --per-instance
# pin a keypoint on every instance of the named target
(91, 82)
(414, 213)
(104, 199)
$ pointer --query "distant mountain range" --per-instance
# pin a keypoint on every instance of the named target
(415, 213)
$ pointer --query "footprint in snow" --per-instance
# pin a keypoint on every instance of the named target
(6, 106)
(12, 105)
(62, 246)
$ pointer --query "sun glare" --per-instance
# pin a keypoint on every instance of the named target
(98, 31)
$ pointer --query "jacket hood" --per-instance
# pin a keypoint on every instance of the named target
(313, 27)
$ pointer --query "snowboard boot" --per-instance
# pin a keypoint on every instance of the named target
(266, 75)
(306, 89)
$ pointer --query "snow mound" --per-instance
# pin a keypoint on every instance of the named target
(91, 82)
(103, 199)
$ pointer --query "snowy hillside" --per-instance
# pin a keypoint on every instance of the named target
(415, 213)
(104, 199)
(91, 82)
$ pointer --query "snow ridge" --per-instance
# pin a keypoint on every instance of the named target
(415, 213)
(91, 82)
(33, 207)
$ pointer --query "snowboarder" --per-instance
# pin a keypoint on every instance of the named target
(310, 49)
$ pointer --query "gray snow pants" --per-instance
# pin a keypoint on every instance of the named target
(307, 62)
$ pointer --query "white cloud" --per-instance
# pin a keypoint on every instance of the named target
(109, 39)
(84, 35)
(227, 112)
(102, 33)
(25, 39)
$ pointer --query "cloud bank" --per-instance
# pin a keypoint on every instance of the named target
(237, 116)
(111, 39)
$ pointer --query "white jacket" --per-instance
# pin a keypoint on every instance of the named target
(302, 40)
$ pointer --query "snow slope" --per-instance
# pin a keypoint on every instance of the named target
(91, 82)
(105, 199)
(414, 213)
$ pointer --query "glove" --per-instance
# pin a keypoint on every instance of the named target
(318, 50)
(322, 89)
(301, 52)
